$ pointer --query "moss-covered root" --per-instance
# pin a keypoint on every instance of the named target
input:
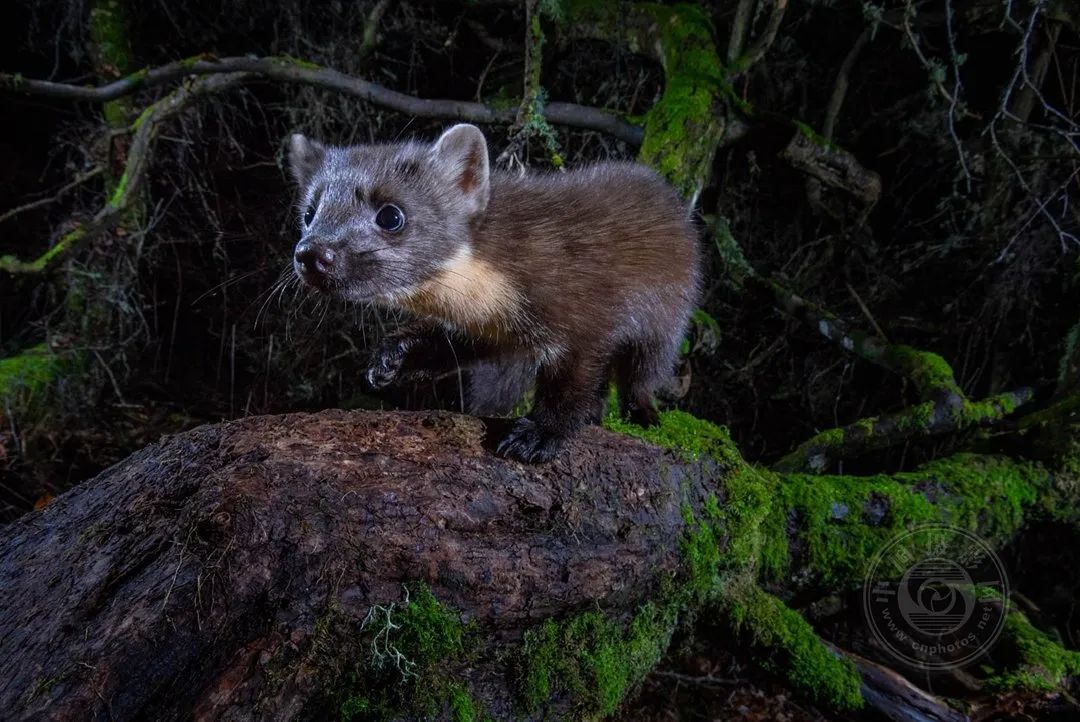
(940, 416)
(1036, 661)
(788, 644)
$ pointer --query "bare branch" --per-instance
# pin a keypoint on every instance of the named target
(738, 30)
(832, 166)
(764, 42)
(840, 86)
(76, 181)
(297, 71)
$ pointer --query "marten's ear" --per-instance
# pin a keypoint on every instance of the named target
(305, 157)
(461, 155)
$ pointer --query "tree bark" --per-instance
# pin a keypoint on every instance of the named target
(191, 579)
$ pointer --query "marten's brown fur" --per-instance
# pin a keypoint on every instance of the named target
(576, 277)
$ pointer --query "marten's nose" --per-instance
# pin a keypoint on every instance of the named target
(314, 257)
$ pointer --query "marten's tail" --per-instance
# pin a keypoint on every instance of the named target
(496, 387)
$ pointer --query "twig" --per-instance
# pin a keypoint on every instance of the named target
(930, 373)
(701, 681)
(297, 71)
(78, 180)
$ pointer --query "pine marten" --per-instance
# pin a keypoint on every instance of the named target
(567, 279)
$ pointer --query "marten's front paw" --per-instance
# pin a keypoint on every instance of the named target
(386, 362)
(527, 443)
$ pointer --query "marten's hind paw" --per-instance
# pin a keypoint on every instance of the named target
(526, 443)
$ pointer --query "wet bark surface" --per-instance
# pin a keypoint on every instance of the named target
(189, 579)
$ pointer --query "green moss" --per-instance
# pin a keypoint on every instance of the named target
(929, 371)
(730, 252)
(463, 708)
(42, 263)
(298, 62)
(28, 374)
(690, 436)
(683, 127)
(412, 646)
(795, 649)
(1069, 365)
(428, 633)
(108, 32)
(844, 520)
(840, 523)
(1039, 662)
(113, 54)
(116, 200)
(813, 136)
(592, 659)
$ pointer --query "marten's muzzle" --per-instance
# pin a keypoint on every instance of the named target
(314, 262)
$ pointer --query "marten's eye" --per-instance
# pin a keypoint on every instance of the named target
(309, 215)
(390, 218)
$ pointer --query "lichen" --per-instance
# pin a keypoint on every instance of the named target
(411, 648)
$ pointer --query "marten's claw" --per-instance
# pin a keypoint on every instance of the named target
(526, 443)
(386, 364)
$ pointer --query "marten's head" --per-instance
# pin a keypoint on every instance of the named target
(378, 221)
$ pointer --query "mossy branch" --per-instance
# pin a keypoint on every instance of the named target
(942, 415)
(293, 70)
(930, 373)
(686, 126)
(131, 181)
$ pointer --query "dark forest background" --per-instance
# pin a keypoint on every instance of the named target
(909, 169)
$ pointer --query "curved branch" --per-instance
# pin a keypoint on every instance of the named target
(131, 181)
(292, 70)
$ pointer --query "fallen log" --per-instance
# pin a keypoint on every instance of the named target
(203, 575)
(388, 565)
